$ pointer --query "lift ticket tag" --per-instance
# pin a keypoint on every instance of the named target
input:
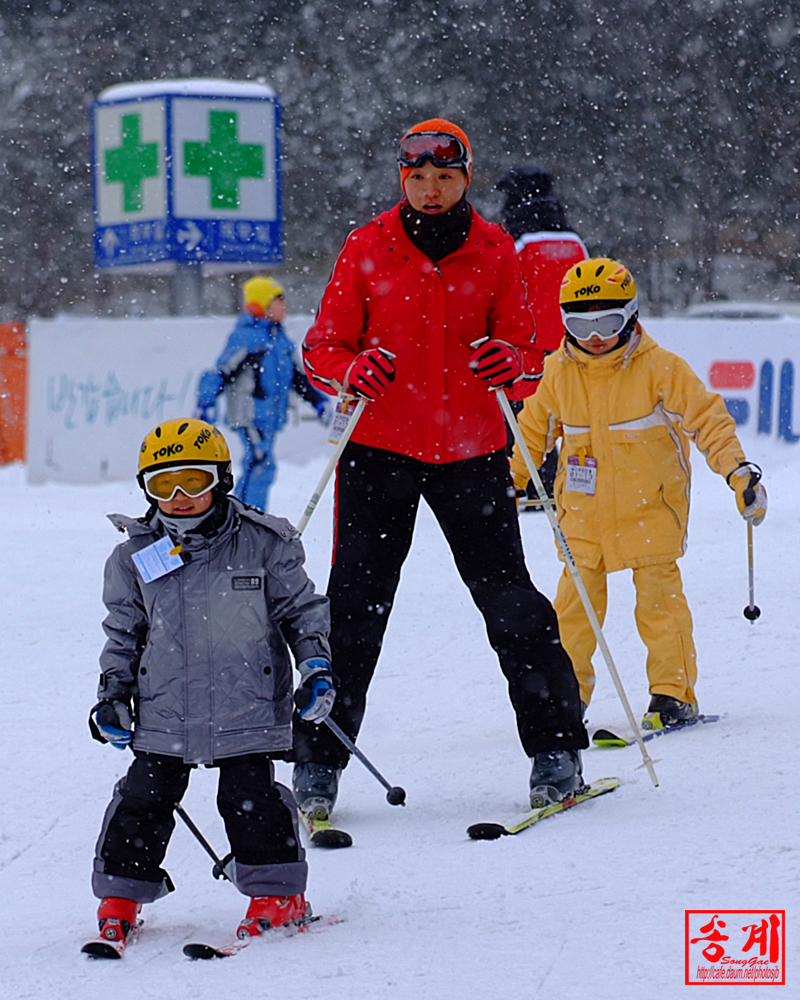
(581, 475)
(158, 559)
(345, 408)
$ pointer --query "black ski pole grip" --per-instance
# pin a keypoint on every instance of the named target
(749, 495)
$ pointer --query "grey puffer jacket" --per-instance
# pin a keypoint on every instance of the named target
(203, 652)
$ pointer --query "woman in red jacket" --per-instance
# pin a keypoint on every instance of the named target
(423, 315)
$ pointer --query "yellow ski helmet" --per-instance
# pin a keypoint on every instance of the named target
(599, 281)
(258, 292)
(185, 441)
(598, 298)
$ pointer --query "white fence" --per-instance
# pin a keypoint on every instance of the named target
(96, 386)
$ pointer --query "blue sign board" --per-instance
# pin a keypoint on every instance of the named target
(186, 171)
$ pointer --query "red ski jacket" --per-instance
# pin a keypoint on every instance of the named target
(384, 292)
(545, 258)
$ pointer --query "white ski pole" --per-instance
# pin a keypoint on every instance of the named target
(395, 795)
(505, 406)
(326, 475)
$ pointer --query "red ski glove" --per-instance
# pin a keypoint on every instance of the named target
(497, 362)
(370, 373)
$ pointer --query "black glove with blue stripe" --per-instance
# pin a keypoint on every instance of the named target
(110, 722)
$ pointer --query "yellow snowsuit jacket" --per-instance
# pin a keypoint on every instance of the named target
(635, 412)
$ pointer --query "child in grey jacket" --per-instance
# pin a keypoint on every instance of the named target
(206, 600)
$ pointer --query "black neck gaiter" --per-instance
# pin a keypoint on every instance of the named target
(437, 235)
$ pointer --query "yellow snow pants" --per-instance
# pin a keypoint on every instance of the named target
(662, 618)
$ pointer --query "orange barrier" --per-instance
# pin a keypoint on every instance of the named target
(13, 383)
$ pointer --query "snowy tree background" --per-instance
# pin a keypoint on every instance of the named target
(670, 126)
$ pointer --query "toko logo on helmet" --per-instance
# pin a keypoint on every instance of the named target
(167, 452)
(202, 437)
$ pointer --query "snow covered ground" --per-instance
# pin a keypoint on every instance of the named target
(588, 905)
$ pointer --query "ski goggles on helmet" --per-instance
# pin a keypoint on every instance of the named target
(442, 149)
(191, 480)
(605, 323)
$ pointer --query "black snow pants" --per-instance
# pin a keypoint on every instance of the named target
(260, 819)
(377, 496)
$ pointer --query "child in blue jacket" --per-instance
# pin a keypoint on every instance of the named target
(257, 371)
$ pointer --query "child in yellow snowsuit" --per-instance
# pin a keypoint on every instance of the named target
(626, 410)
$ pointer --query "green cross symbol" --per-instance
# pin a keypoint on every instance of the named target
(223, 159)
(131, 162)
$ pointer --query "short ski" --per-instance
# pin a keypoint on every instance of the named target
(197, 950)
(606, 740)
(101, 948)
(206, 951)
(322, 833)
(492, 831)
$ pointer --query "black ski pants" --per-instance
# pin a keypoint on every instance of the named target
(377, 496)
(259, 817)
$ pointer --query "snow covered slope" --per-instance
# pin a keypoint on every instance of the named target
(588, 905)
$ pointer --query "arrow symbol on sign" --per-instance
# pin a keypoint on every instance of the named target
(191, 236)
(110, 242)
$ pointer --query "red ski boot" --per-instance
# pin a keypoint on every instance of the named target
(263, 914)
(268, 912)
(118, 920)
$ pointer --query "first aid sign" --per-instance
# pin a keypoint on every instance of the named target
(186, 171)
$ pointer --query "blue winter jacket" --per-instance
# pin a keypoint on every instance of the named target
(256, 371)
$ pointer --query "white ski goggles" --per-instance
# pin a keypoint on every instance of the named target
(191, 480)
(605, 323)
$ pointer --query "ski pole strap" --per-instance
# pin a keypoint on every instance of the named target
(749, 494)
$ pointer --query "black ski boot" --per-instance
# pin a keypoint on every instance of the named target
(664, 712)
(556, 775)
(315, 788)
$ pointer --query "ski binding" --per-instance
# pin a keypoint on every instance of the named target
(493, 831)
(101, 948)
(322, 833)
(606, 740)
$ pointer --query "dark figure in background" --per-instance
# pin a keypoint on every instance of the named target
(547, 248)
